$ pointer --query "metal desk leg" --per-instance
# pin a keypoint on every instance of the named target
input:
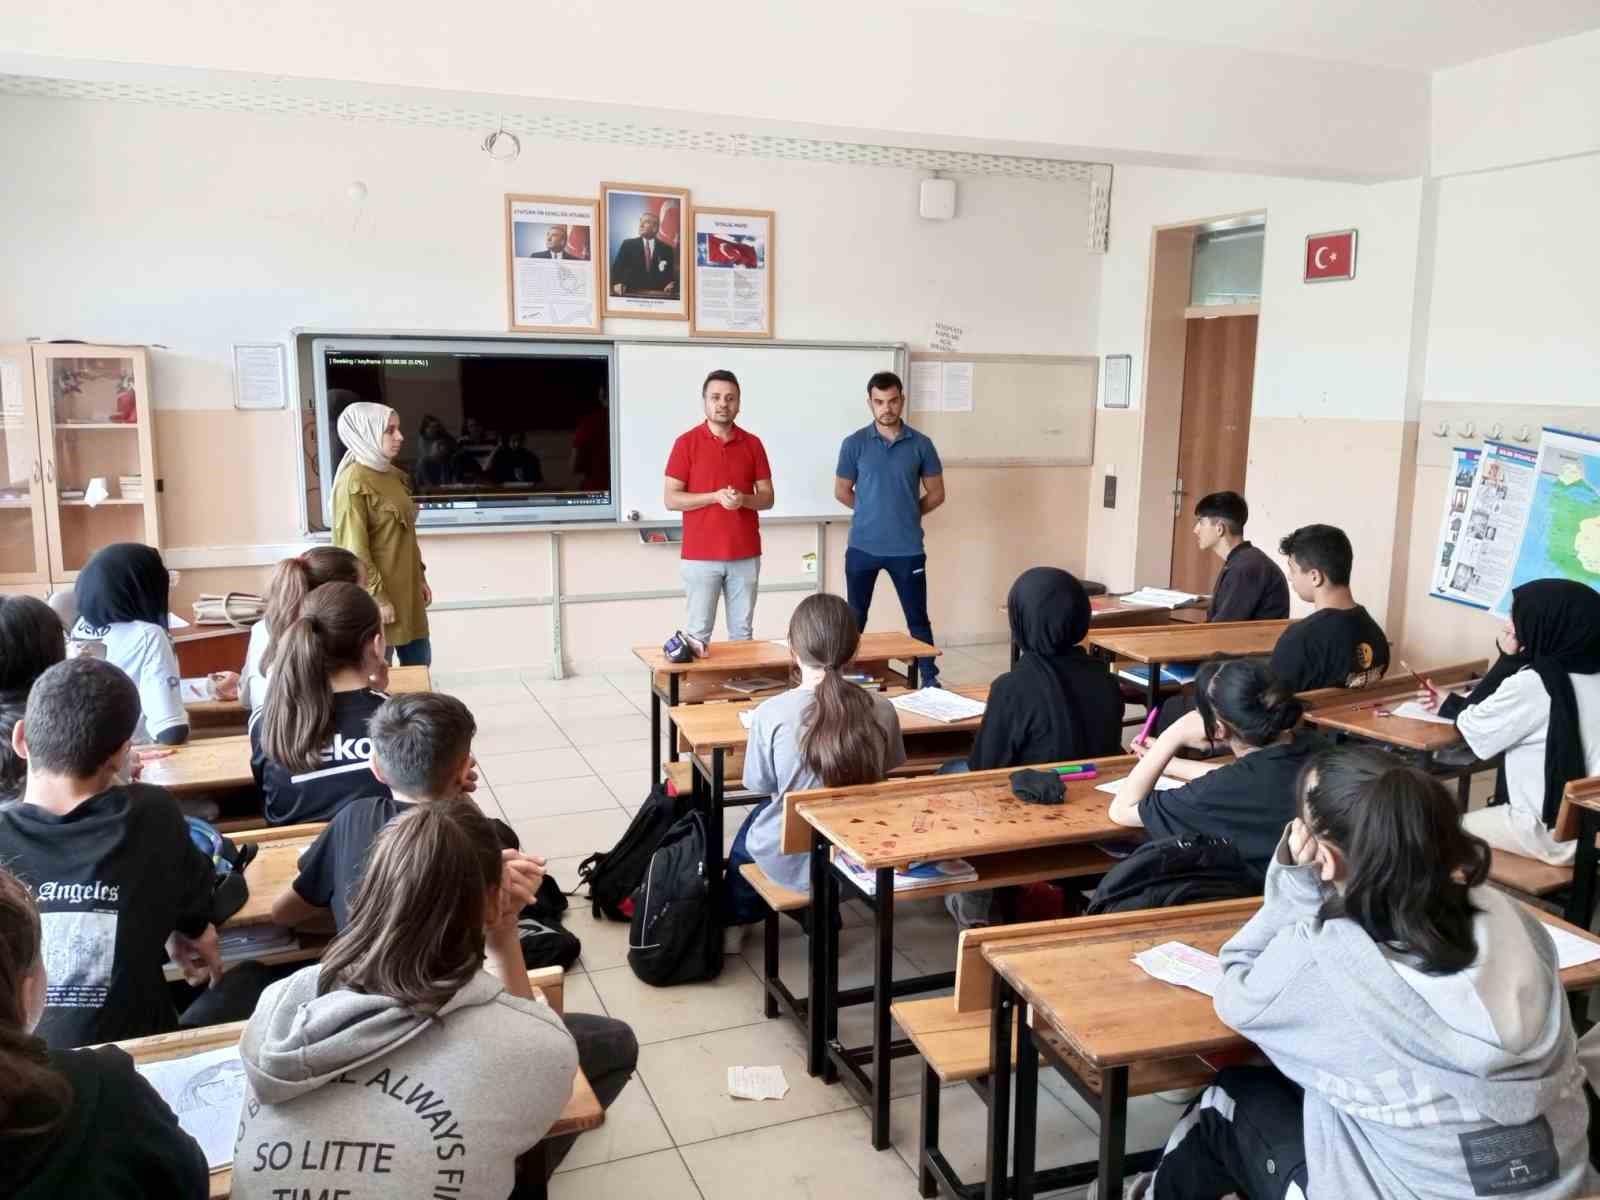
(1152, 702)
(1113, 1128)
(1586, 860)
(655, 732)
(882, 996)
(673, 681)
(996, 1168)
(714, 863)
(1027, 1106)
(912, 667)
(816, 1007)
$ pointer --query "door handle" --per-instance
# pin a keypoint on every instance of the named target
(49, 470)
(36, 470)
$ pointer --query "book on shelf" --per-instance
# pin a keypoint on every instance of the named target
(908, 878)
(1140, 674)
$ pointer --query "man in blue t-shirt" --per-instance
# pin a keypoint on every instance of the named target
(892, 477)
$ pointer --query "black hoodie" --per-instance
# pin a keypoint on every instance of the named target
(120, 1141)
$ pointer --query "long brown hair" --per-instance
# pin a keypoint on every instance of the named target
(335, 626)
(416, 922)
(25, 1071)
(296, 578)
(842, 741)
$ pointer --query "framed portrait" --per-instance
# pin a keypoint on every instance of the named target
(733, 272)
(643, 234)
(552, 278)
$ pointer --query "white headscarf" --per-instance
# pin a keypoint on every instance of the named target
(361, 429)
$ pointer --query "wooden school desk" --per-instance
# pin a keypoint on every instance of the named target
(888, 825)
(1184, 644)
(583, 1111)
(202, 649)
(1096, 1015)
(206, 765)
(1109, 612)
(215, 718)
(701, 679)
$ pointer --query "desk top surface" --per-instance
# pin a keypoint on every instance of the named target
(760, 655)
(1088, 989)
(1365, 719)
(202, 764)
(952, 816)
(273, 869)
(708, 727)
(401, 679)
(1183, 643)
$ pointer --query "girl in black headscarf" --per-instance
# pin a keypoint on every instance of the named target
(1057, 703)
(1540, 706)
(122, 597)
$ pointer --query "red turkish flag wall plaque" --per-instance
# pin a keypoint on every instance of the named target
(1331, 256)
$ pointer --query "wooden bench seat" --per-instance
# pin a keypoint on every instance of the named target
(1527, 875)
(778, 897)
(681, 773)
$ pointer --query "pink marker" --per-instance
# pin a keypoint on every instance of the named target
(1149, 721)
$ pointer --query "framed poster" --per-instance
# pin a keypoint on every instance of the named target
(643, 230)
(552, 280)
(733, 272)
(1119, 380)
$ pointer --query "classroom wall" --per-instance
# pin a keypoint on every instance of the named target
(1331, 369)
(195, 230)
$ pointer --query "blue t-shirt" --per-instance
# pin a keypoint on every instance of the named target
(888, 478)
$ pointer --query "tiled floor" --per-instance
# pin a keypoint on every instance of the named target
(566, 763)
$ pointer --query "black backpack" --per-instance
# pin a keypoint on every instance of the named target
(612, 875)
(544, 942)
(1176, 870)
(675, 937)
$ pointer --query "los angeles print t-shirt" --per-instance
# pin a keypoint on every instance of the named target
(344, 773)
(112, 878)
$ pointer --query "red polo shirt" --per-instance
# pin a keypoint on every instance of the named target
(705, 463)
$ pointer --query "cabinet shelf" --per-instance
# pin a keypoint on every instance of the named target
(106, 503)
(73, 426)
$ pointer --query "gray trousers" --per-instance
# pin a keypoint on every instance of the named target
(735, 580)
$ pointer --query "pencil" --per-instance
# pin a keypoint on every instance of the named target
(1426, 686)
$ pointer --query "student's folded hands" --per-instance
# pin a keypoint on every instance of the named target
(200, 959)
(520, 877)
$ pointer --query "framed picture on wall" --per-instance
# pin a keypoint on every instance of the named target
(1119, 380)
(552, 280)
(733, 272)
(647, 272)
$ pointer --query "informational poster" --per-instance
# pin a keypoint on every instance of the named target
(927, 387)
(260, 379)
(647, 274)
(1561, 536)
(1496, 511)
(1463, 473)
(956, 387)
(733, 271)
(550, 269)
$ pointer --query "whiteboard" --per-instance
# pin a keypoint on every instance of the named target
(800, 400)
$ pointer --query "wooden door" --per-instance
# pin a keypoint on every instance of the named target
(1214, 434)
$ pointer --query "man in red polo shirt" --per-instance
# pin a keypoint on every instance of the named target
(718, 478)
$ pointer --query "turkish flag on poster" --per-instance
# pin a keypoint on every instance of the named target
(1331, 256)
(578, 241)
(667, 210)
(720, 251)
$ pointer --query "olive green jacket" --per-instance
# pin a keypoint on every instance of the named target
(375, 519)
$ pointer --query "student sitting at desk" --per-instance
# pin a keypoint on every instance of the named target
(1250, 587)
(31, 642)
(1534, 706)
(422, 748)
(400, 1038)
(309, 748)
(825, 733)
(1247, 801)
(1415, 1019)
(1339, 644)
(115, 873)
(75, 1123)
(292, 581)
(122, 598)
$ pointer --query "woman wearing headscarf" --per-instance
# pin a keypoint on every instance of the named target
(375, 519)
(1055, 704)
(1539, 705)
(122, 598)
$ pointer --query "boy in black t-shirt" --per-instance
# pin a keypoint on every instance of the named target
(112, 867)
(1338, 645)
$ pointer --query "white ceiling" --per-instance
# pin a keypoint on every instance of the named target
(1423, 35)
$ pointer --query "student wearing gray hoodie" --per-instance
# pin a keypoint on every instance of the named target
(1415, 1019)
(398, 1066)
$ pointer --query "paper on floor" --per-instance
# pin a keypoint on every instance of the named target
(757, 1083)
(1173, 962)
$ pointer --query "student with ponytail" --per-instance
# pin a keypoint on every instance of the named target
(825, 733)
(1240, 703)
(292, 581)
(1415, 1020)
(309, 748)
(78, 1123)
(31, 642)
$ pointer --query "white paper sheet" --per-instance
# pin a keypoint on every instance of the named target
(1412, 711)
(1157, 597)
(1174, 962)
(927, 387)
(1163, 783)
(757, 1083)
(956, 385)
(205, 1091)
(746, 715)
(1572, 950)
(260, 380)
(937, 704)
(191, 691)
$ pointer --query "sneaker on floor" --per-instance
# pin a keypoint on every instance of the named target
(1137, 1188)
(733, 938)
